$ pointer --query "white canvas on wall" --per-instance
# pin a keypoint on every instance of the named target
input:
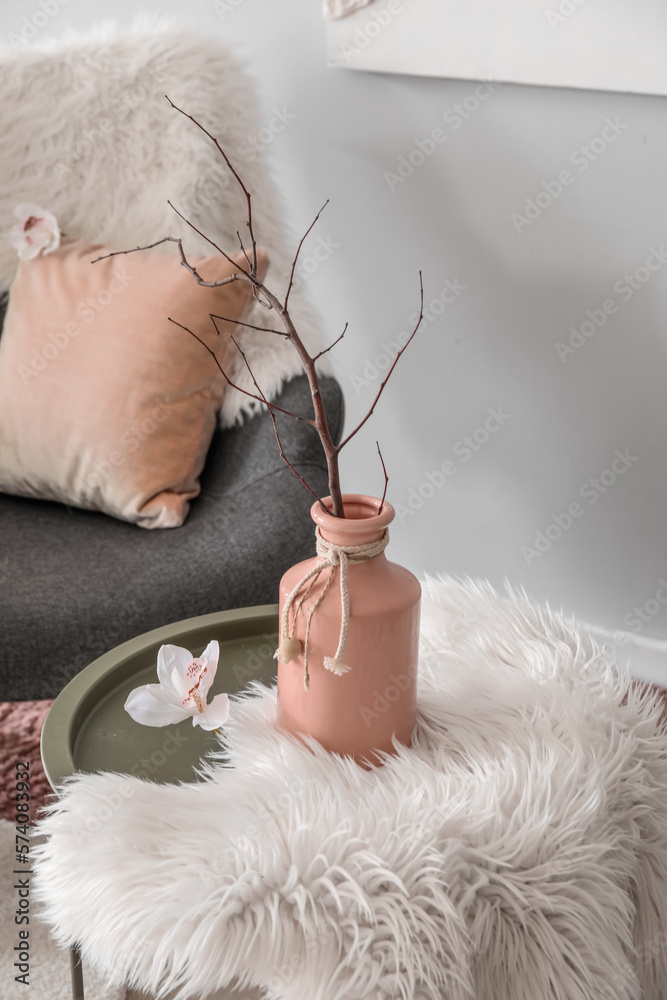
(593, 44)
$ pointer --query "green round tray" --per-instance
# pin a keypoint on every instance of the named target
(87, 728)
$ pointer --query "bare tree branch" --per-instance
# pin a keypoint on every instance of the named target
(298, 251)
(240, 182)
(250, 275)
(275, 427)
(149, 246)
(260, 399)
(388, 375)
(269, 300)
(386, 478)
(331, 346)
(251, 326)
(243, 249)
(237, 276)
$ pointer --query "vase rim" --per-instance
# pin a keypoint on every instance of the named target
(364, 511)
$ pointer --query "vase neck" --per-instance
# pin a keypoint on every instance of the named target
(341, 537)
(362, 522)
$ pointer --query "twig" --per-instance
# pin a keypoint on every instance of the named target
(336, 341)
(275, 426)
(240, 182)
(250, 275)
(251, 326)
(298, 251)
(243, 249)
(386, 478)
(260, 399)
(238, 275)
(149, 246)
(388, 375)
(269, 300)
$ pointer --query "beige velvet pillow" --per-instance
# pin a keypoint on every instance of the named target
(105, 404)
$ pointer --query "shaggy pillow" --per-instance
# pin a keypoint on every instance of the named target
(85, 129)
(105, 404)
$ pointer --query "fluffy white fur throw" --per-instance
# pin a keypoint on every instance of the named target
(86, 132)
(518, 851)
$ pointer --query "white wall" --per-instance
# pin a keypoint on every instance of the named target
(494, 346)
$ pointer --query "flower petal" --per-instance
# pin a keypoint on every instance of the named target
(28, 208)
(28, 252)
(53, 242)
(210, 655)
(214, 715)
(36, 231)
(150, 705)
(172, 662)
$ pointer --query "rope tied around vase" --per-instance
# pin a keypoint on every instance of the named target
(331, 556)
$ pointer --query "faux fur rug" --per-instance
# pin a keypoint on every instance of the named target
(86, 132)
(517, 851)
(49, 976)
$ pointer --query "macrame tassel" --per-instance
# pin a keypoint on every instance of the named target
(336, 666)
(288, 650)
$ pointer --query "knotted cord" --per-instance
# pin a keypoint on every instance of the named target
(331, 556)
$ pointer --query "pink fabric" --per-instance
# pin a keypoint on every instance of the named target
(105, 404)
(20, 730)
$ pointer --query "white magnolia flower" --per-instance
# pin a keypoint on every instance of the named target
(184, 683)
(36, 231)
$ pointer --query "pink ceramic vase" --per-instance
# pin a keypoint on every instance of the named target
(360, 711)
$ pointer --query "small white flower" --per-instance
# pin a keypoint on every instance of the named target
(36, 231)
(184, 683)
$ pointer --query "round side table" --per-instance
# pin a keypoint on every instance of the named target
(88, 730)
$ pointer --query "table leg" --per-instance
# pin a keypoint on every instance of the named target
(77, 973)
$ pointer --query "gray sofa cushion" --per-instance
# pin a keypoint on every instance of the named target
(74, 583)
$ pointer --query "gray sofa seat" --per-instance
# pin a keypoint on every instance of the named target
(75, 583)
